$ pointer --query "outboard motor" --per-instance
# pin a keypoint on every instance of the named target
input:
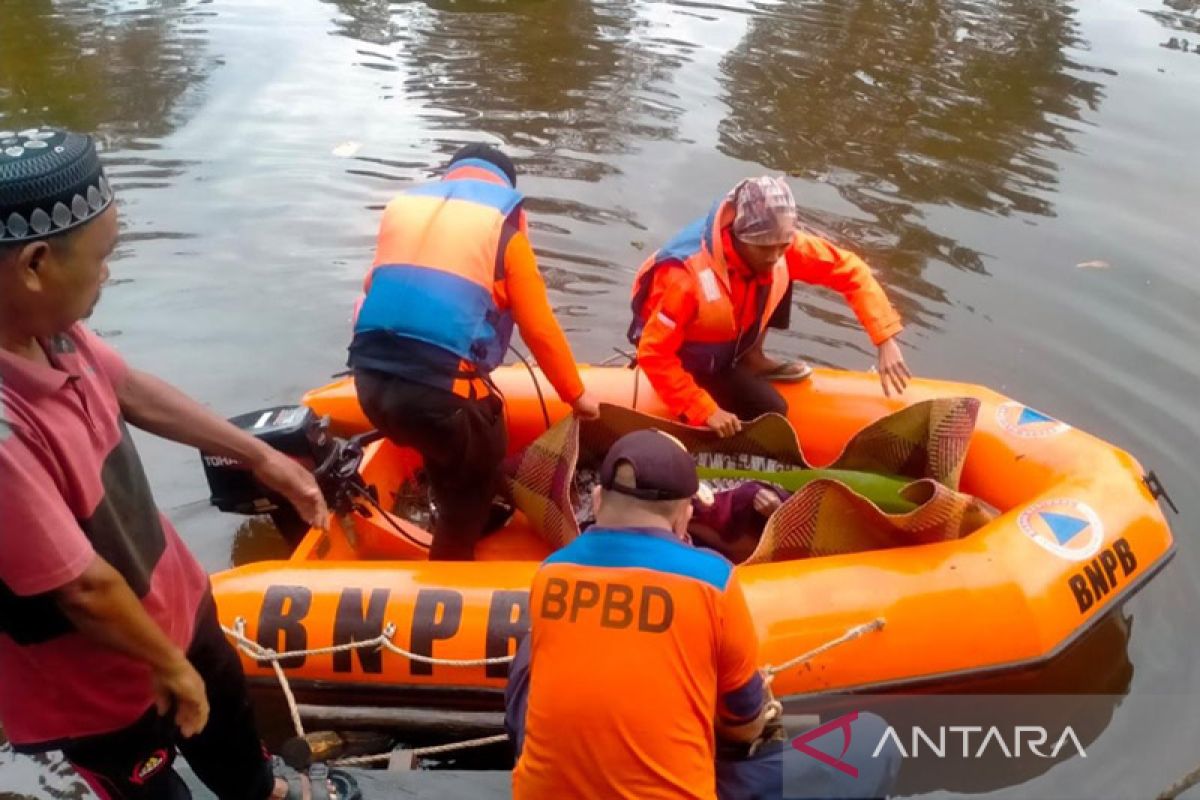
(293, 430)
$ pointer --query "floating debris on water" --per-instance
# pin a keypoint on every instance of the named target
(347, 149)
(1093, 265)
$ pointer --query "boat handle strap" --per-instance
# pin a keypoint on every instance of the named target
(1158, 491)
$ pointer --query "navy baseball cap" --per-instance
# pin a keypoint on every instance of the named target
(662, 467)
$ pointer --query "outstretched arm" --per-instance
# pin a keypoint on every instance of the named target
(816, 261)
(540, 329)
(157, 407)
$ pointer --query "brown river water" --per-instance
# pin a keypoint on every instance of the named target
(976, 152)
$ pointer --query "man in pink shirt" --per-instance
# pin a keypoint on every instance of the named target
(110, 648)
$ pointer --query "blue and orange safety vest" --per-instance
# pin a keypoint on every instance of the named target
(697, 309)
(439, 266)
(716, 337)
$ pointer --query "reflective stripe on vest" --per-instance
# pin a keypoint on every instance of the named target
(437, 262)
(713, 340)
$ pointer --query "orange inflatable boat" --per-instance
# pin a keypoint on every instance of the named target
(1078, 531)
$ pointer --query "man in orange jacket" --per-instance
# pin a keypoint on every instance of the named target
(641, 647)
(702, 304)
(453, 272)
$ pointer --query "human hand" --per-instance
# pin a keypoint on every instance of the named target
(586, 406)
(724, 423)
(766, 502)
(893, 372)
(773, 708)
(281, 474)
(179, 682)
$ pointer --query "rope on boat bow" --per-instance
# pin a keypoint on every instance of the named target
(849, 636)
(420, 752)
(256, 651)
(1182, 785)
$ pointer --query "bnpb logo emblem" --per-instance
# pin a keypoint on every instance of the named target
(1027, 423)
(1068, 528)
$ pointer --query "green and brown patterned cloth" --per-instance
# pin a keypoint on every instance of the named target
(926, 442)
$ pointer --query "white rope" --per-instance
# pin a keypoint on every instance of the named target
(356, 761)
(258, 652)
(450, 748)
(293, 709)
(384, 640)
(1181, 786)
(423, 751)
(849, 636)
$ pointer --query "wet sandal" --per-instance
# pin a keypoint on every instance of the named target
(789, 372)
(321, 777)
(321, 783)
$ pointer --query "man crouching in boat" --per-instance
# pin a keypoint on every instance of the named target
(454, 270)
(110, 648)
(635, 636)
(637, 640)
(702, 304)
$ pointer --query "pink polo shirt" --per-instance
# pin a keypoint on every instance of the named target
(72, 487)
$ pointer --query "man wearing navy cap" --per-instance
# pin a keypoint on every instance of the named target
(110, 649)
(657, 631)
(639, 677)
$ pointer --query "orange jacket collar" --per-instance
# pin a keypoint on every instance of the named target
(720, 218)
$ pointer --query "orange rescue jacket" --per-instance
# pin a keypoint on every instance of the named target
(685, 322)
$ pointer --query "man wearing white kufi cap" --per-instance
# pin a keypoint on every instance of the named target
(110, 648)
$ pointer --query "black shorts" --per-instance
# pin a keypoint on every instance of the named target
(137, 762)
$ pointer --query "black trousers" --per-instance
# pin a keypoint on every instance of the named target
(462, 441)
(136, 763)
(742, 393)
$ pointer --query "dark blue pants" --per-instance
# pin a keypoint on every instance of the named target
(780, 772)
